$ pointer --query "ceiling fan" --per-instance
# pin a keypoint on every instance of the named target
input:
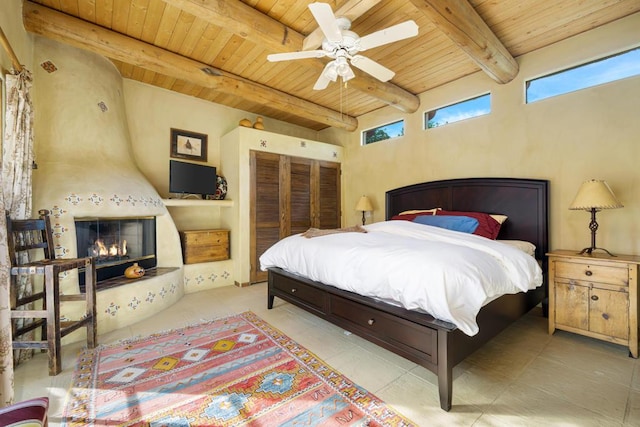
(343, 47)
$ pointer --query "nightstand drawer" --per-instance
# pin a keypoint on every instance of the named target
(614, 275)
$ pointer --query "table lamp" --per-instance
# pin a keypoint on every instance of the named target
(364, 205)
(594, 195)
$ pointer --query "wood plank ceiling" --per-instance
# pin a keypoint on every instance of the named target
(217, 49)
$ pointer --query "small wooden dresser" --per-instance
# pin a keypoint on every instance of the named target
(595, 295)
(204, 245)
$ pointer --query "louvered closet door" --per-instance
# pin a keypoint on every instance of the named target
(328, 212)
(264, 208)
(299, 208)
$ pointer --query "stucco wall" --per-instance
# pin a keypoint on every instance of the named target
(592, 133)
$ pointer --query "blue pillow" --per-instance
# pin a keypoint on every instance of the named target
(465, 224)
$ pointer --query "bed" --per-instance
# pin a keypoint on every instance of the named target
(430, 342)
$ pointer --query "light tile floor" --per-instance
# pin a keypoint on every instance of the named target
(524, 377)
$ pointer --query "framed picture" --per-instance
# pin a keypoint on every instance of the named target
(188, 145)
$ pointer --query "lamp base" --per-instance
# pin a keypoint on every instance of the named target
(588, 251)
(593, 226)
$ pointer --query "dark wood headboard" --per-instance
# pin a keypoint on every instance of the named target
(524, 201)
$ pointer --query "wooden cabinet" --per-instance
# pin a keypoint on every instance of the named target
(296, 186)
(289, 195)
(595, 295)
(204, 245)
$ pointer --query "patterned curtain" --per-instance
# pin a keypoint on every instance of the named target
(15, 198)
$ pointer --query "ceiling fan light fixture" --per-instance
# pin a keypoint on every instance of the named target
(342, 67)
(331, 71)
(348, 74)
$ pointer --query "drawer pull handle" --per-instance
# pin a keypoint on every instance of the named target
(371, 322)
(293, 290)
(588, 272)
(594, 297)
(605, 316)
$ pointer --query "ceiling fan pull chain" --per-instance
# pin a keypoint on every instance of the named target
(346, 98)
(341, 112)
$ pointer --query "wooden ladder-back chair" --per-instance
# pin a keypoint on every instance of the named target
(35, 234)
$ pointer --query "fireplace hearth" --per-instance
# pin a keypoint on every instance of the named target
(117, 243)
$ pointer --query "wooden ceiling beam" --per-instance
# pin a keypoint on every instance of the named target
(462, 24)
(249, 23)
(58, 26)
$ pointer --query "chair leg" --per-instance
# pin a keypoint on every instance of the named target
(43, 328)
(90, 294)
(52, 287)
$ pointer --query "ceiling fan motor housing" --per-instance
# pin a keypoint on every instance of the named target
(349, 44)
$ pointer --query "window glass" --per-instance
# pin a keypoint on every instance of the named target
(474, 107)
(595, 73)
(380, 133)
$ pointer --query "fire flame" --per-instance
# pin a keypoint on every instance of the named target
(113, 250)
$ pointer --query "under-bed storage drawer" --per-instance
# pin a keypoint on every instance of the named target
(306, 294)
(408, 337)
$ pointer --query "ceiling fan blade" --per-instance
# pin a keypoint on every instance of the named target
(370, 66)
(322, 82)
(326, 21)
(286, 56)
(392, 34)
(352, 9)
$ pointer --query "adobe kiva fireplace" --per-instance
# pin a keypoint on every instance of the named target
(116, 244)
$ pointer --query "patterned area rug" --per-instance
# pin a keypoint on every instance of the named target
(228, 372)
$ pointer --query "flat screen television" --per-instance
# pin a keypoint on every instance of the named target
(190, 178)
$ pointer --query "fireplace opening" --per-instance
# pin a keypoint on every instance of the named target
(116, 244)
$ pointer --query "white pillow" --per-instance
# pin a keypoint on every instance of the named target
(500, 218)
(424, 211)
(526, 247)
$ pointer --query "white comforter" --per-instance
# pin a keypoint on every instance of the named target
(448, 274)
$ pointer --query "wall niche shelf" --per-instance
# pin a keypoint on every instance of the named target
(198, 202)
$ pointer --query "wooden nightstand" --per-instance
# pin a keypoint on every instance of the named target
(595, 295)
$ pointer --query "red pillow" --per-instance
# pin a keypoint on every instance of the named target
(487, 226)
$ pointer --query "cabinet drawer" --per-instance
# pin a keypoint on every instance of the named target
(614, 275)
(397, 333)
(204, 245)
(309, 295)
